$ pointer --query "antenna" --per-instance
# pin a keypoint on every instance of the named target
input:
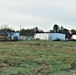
(20, 27)
(20, 30)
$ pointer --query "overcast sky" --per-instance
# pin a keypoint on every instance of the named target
(41, 13)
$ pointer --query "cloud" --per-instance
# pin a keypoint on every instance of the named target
(43, 14)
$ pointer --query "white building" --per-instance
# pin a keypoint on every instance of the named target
(41, 36)
(55, 36)
(74, 37)
(49, 36)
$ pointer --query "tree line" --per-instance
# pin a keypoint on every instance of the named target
(32, 31)
(58, 29)
(7, 28)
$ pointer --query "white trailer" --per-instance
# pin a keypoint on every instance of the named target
(49, 36)
(41, 36)
(74, 37)
(56, 36)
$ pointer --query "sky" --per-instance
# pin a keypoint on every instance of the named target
(38, 13)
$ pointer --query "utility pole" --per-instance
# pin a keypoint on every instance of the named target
(62, 31)
(20, 31)
(20, 27)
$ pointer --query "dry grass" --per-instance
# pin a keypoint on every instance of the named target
(37, 58)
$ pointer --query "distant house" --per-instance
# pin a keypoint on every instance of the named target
(13, 35)
(9, 35)
(49, 36)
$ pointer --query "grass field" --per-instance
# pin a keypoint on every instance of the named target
(38, 58)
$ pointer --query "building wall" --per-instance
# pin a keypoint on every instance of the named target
(41, 36)
(74, 37)
(49, 36)
(54, 36)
